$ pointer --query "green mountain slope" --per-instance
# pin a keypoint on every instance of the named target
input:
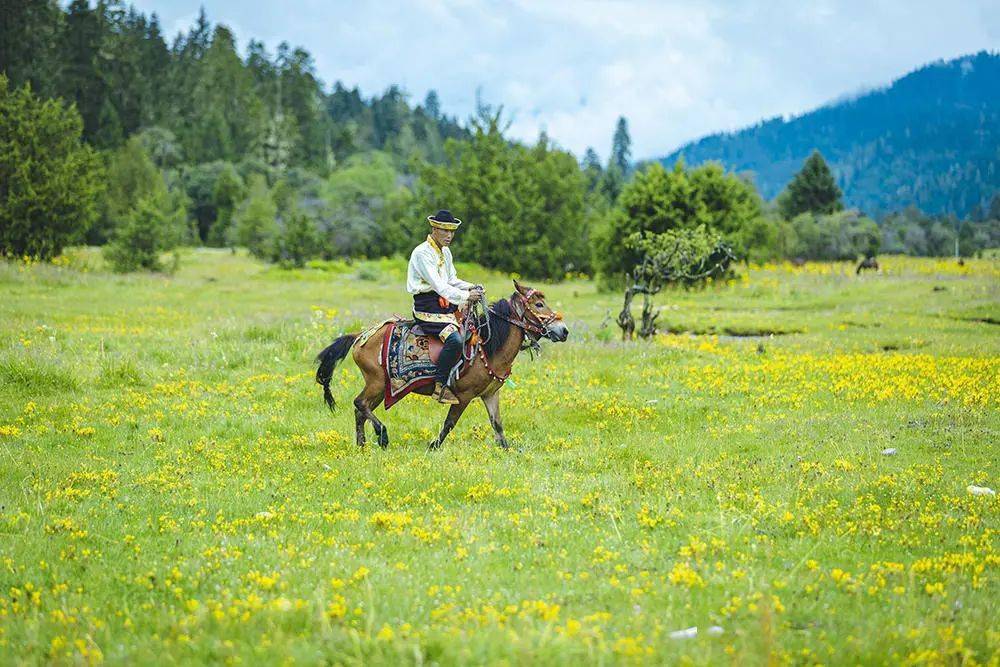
(931, 139)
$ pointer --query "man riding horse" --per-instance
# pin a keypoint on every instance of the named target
(506, 327)
(438, 293)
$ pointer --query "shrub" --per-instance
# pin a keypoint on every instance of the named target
(155, 226)
(256, 226)
(298, 240)
(227, 192)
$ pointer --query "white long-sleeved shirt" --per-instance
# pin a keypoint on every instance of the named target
(432, 270)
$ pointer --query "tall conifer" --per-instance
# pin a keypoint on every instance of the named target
(812, 190)
(621, 147)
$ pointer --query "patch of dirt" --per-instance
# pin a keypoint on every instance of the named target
(862, 325)
(733, 331)
(898, 345)
(982, 320)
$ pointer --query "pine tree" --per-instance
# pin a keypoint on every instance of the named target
(109, 132)
(389, 113)
(50, 183)
(432, 105)
(592, 170)
(29, 44)
(82, 79)
(229, 118)
(621, 147)
(611, 183)
(301, 102)
(185, 76)
(154, 67)
(280, 133)
(123, 35)
(812, 190)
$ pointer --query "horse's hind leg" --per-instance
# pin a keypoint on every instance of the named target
(364, 406)
(366, 357)
(380, 430)
(359, 421)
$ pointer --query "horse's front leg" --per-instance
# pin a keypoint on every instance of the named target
(454, 414)
(492, 403)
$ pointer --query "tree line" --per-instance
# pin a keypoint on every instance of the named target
(108, 135)
(115, 65)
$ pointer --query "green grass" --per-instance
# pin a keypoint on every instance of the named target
(173, 490)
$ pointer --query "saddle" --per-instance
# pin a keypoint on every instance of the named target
(434, 343)
(409, 358)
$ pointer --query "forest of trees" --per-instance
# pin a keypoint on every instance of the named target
(112, 135)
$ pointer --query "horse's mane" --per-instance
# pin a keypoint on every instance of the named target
(499, 327)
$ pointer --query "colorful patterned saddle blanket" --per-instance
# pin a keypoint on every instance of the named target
(408, 358)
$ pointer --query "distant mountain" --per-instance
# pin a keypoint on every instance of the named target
(931, 139)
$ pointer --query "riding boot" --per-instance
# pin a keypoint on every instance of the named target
(450, 354)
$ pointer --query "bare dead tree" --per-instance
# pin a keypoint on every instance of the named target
(673, 257)
(625, 319)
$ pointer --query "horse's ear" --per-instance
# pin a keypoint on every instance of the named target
(517, 305)
(518, 287)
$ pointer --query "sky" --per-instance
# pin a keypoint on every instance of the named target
(675, 70)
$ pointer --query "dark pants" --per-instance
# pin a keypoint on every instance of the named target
(450, 354)
(428, 303)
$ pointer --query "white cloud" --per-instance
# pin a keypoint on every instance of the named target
(676, 70)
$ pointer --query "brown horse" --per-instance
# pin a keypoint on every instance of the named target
(869, 263)
(514, 324)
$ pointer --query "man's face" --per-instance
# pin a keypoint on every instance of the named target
(442, 237)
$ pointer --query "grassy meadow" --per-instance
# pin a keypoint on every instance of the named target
(787, 470)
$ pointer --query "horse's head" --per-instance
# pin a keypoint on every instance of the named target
(532, 307)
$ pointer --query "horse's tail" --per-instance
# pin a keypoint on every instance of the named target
(328, 360)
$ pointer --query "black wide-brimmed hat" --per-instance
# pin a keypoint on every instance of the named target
(443, 219)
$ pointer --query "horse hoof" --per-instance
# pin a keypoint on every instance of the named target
(383, 439)
(434, 446)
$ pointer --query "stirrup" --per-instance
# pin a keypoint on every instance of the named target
(442, 394)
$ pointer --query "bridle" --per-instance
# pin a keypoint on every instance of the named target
(528, 320)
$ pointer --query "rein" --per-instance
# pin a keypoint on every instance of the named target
(534, 330)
